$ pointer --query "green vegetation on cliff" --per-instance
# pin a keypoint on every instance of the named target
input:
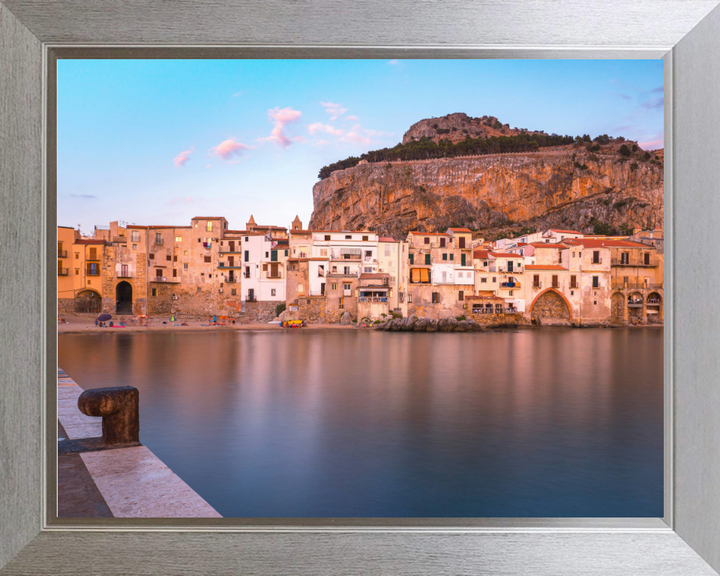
(425, 148)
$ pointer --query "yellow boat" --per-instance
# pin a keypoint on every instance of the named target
(292, 323)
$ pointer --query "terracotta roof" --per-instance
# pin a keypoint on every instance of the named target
(480, 253)
(429, 233)
(375, 276)
(88, 241)
(564, 231)
(609, 243)
(557, 245)
(387, 239)
(208, 218)
(544, 267)
(300, 231)
(503, 255)
(461, 230)
(154, 227)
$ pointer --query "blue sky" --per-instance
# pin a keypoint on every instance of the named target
(161, 141)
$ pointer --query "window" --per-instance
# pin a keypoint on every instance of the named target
(207, 259)
(301, 288)
(646, 258)
(134, 246)
(442, 242)
(573, 281)
(536, 280)
(334, 286)
(272, 292)
(494, 279)
(624, 257)
(346, 270)
(247, 239)
(596, 257)
(198, 289)
(435, 297)
(265, 267)
(167, 257)
(555, 282)
(247, 255)
(573, 254)
(208, 226)
(485, 262)
(388, 250)
(178, 238)
(365, 238)
(511, 292)
(419, 275)
(348, 237)
(199, 239)
(427, 240)
(461, 240)
(77, 271)
(444, 256)
(483, 280)
(461, 295)
(93, 269)
(267, 254)
(452, 256)
(247, 271)
(158, 238)
(274, 270)
(233, 292)
(135, 236)
(327, 236)
(175, 258)
(346, 286)
(77, 255)
(153, 291)
(185, 266)
(174, 272)
(427, 259)
(93, 254)
(412, 258)
(596, 281)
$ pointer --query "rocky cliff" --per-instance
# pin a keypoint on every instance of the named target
(458, 126)
(567, 187)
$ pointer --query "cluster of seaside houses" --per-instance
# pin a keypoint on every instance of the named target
(324, 275)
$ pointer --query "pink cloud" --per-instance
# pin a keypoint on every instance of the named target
(181, 159)
(229, 148)
(652, 145)
(320, 127)
(281, 117)
(352, 118)
(335, 110)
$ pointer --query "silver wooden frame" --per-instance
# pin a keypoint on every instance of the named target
(34, 33)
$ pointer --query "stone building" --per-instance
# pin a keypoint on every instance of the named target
(79, 272)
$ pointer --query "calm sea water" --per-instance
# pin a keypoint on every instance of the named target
(322, 423)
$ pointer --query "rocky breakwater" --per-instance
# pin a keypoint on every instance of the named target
(413, 324)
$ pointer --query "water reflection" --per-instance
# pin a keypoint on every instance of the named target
(342, 423)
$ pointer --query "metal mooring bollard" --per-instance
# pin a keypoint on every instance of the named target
(120, 411)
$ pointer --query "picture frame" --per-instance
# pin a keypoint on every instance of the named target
(33, 34)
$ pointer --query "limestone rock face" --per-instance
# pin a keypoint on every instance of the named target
(561, 187)
(458, 126)
(345, 319)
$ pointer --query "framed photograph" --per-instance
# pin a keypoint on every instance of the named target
(568, 425)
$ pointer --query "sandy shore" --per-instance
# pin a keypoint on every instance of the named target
(85, 324)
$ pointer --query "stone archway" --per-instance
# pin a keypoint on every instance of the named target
(550, 304)
(88, 301)
(654, 307)
(635, 306)
(617, 306)
(123, 298)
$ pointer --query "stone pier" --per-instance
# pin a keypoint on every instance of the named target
(122, 482)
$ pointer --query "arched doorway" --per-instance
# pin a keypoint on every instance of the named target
(617, 306)
(123, 298)
(550, 304)
(654, 308)
(635, 306)
(88, 301)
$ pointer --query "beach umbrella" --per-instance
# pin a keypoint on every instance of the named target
(104, 317)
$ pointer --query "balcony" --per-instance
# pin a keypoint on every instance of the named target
(62, 253)
(652, 262)
(92, 272)
(596, 261)
(63, 271)
(510, 285)
(159, 242)
(372, 299)
(537, 285)
(165, 279)
(635, 285)
(125, 275)
(276, 277)
(230, 280)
